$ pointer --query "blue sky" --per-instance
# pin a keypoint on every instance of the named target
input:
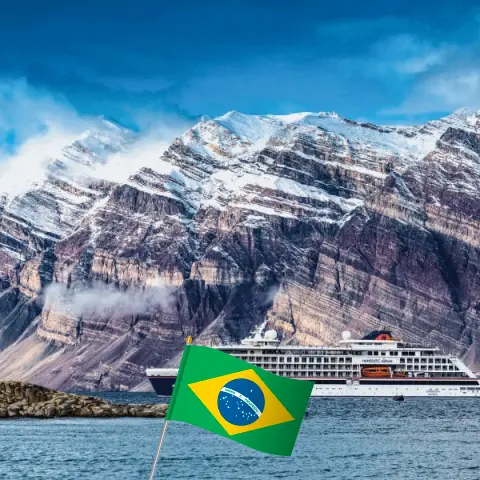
(384, 61)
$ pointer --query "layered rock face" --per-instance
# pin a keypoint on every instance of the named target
(312, 222)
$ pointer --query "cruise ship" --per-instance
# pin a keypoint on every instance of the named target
(377, 365)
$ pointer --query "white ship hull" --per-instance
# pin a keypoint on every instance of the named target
(163, 381)
(394, 390)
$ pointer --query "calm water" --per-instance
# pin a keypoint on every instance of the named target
(341, 439)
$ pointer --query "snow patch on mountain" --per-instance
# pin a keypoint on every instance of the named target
(56, 180)
(29, 166)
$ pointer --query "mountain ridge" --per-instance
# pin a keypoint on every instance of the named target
(311, 222)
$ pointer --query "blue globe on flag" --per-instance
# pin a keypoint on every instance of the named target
(241, 402)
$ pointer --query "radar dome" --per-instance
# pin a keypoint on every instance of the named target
(346, 335)
(270, 335)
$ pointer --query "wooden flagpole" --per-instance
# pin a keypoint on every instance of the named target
(188, 342)
(157, 456)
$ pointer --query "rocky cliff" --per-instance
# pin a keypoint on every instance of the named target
(312, 222)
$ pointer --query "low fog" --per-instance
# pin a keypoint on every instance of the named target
(102, 300)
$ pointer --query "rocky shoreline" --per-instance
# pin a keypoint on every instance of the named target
(18, 399)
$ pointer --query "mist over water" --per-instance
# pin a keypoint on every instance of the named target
(341, 439)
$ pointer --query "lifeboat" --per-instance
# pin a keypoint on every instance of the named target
(376, 372)
(382, 372)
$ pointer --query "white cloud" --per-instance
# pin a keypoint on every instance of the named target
(28, 165)
(43, 126)
(412, 55)
(407, 54)
(145, 152)
(441, 92)
(26, 112)
(103, 301)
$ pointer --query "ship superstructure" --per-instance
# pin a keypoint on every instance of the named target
(376, 365)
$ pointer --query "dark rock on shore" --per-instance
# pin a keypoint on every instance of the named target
(19, 399)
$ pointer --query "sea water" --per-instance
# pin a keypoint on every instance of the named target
(339, 439)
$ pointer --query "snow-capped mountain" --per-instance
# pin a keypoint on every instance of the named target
(310, 221)
(46, 199)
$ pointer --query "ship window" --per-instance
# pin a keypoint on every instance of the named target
(289, 359)
(375, 353)
(383, 353)
(319, 359)
(297, 359)
(280, 359)
(311, 359)
(404, 354)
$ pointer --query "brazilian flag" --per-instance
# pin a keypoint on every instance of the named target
(225, 395)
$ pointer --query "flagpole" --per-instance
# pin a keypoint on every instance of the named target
(157, 456)
(172, 403)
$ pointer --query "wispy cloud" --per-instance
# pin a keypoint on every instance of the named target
(146, 151)
(429, 71)
(42, 125)
(409, 54)
(104, 301)
(442, 92)
(34, 127)
(28, 165)
(27, 112)
(443, 76)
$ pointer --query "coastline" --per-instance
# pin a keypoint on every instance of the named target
(23, 400)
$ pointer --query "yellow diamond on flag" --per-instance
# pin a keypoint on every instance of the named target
(241, 402)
